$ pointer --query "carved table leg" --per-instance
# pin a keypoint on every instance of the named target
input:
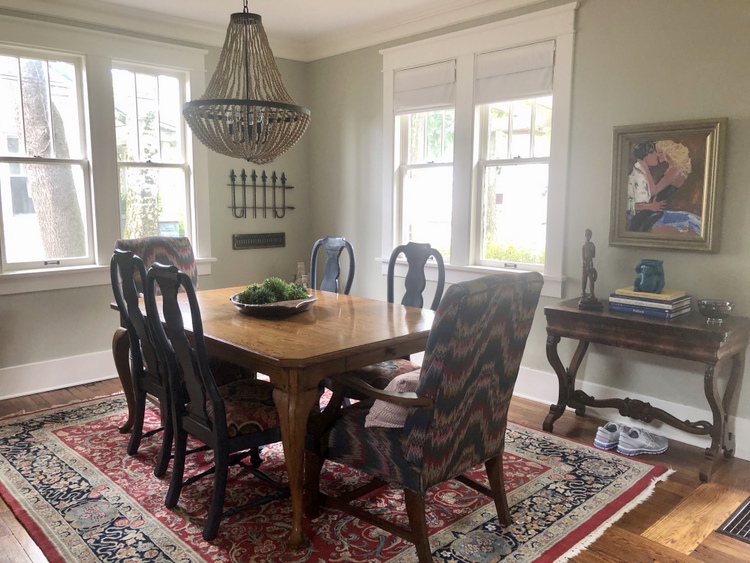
(721, 438)
(294, 410)
(121, 354)
(566, 379)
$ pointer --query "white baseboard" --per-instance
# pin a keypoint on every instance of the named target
(541, 386)
(17, 381)
(536, 385)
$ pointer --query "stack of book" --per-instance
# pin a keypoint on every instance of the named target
(668, 304)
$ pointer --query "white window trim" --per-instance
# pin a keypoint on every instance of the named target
(555, 23)
(99, 49)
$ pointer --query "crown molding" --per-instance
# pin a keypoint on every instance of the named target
(109, 17)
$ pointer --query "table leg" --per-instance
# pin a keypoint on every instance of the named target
(121, 355)
(294, 410)
(566, 379)
(721, 438)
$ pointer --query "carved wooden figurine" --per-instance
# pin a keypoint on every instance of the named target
(588, 275)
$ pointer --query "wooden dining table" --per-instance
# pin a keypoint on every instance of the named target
(339, 333)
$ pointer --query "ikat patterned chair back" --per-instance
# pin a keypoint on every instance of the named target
(470, 366)
(176, 251)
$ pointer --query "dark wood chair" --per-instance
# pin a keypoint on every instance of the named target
(417, 255)
(333, 247)
(233, 420)
(438, 422)
(149, 377)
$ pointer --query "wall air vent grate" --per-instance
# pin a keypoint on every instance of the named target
(258, 240)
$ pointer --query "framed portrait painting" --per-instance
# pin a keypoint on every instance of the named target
(666, 185)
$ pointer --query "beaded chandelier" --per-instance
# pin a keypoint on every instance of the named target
(246, 112)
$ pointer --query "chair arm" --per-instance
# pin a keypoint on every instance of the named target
(407, 399)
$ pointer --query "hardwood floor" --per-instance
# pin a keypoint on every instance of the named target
(676, 524)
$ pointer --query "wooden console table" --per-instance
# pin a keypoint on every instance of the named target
(688, 337)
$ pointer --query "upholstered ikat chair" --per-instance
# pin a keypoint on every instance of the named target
(233, 420)
(333, 248)
(166, 250)
(436, 423)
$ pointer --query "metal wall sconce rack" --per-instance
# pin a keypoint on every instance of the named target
(240, 189)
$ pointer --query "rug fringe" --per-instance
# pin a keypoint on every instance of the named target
(586, 542)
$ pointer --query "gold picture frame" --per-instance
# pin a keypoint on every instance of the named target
(666, 185)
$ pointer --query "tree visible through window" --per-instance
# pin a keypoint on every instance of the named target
(152, 168)
(42, 181)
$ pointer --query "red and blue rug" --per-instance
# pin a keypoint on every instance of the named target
(66, 476)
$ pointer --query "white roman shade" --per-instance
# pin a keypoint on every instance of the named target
(511, 74)
(424, 88)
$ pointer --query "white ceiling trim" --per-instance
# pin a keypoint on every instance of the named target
(389, 28)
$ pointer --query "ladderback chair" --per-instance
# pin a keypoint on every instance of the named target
(436, 423)
(148, 376)
(233, 420)
(333, 247)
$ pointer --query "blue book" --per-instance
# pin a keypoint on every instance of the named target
(650, 312)
(677, 303)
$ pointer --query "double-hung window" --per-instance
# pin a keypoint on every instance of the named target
(153, 173)
(93, 148)
(44, 172)
(479, 121)
(423, 100)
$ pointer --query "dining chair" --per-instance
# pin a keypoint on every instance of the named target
(436, 423)
(177, 251)
(415, 282)
(233, 420)
(333, 247)
(147, 374)
(165, 250)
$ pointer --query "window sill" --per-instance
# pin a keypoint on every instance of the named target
(31, 281)
(455, 274)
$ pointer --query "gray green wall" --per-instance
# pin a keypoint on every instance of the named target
(636, 61)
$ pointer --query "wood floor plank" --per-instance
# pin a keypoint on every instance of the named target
(617, 545)
(674, 500)
(720, 548)
(699, 514)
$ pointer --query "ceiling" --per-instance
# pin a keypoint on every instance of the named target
(302, 30)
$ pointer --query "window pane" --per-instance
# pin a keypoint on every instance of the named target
(499, 120)
(147, 117)
(44, 210)
(40, 108)
(152, 202)
(520, 144)
(427, 204)
(170, 119)
(430, 137)
(542, 127)
(515, 213)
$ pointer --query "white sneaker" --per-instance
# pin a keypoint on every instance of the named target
(637, 441)
(608, 436)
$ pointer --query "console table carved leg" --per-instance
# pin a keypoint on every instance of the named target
(566, 380)
(721, 438)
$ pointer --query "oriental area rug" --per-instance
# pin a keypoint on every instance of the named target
(65, 474)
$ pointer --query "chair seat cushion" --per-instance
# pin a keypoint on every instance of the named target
(389, 415)
(380, 375)
(249, 406)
